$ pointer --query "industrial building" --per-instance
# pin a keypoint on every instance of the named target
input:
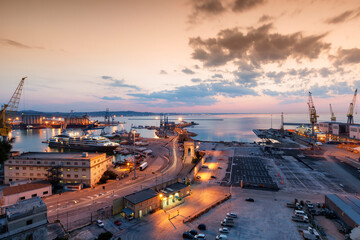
(346, 207)
(26, 219)
(75, 167)
(12, 195)
(141, 203)
(173, 195)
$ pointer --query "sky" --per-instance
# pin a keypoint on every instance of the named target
(196, 56)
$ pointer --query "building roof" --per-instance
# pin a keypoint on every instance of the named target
(25, 188)
(25, 208)
(128, 211)
(342, 202)
(175, 187)
(56, 155)
(141, 196)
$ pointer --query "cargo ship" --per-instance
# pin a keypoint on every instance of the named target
(88, 142)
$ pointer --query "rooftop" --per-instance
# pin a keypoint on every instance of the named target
(141, 196)
(348, 204)
(25, 207)
(25, 187)
(56, 155)
(174, 187)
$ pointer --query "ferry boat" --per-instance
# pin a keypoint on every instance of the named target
(88, 142)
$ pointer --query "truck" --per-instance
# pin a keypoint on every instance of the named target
(143, 166)
(303, 219)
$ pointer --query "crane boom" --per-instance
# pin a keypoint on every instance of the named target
(312, 110)
(350, 113)
(15, 100)
(8, 111)
(333, 118)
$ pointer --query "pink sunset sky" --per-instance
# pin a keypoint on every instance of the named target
(226, 56)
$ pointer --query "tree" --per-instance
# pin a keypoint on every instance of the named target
(5, 148)
(54, 176)
(105, 236)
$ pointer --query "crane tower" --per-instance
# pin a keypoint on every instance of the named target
(350, 113)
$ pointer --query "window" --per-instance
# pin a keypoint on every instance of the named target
(24, 162)
(24, 168)
(52, 163)
(75, 181)
(10, 168)
(34, 195)
(17, 168)
(68, 181)
(24, 174)
(38, 162)
(46, 162)
(31, 162)
(38, 174)
(76, 176)
(17, 174)
(84, 176)
(22, 198)
(31, 168)
(75, 163)
(17, 161)
(83, 163)
(31, 174)
(68, 169)
(46, 192)
(84, 170)
(28, 222)
(10, 161)
(10, 179)
(68, 175)
(68, 163)
(39, 168)
(75, 169)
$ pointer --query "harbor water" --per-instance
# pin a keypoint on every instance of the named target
(212, 127)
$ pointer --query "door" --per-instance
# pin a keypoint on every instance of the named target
(140, 213)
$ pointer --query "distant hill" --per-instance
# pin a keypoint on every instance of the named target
(91, 114)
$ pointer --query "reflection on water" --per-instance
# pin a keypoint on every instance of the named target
(226, 127)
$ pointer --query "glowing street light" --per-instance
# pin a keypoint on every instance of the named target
(180, 119)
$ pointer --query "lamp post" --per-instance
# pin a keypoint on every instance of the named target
(134, 132)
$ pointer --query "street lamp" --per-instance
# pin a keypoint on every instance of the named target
(134, 132)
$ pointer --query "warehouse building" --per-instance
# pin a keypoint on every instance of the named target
(346, 207)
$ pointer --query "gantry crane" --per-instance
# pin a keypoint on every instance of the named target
(333, 118)
(312, 111)
(350, 113)
(7, 113)
(313, 120)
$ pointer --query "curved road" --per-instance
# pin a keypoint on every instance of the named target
(88, 201)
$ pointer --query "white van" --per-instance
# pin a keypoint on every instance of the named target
(299, 213)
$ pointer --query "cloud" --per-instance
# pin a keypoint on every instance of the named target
(196, 80)
(265, 18)
(200, 94)
(111, 82)
(346, 56)
(111, 98)
(163, 72)
(243, 5)
(17, 44)
(257, 46)
(343, 17)
(276, 76)
(188, 71)
(247, 78)
(217, 76)
(205, 8)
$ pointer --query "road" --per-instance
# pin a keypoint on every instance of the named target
(89, 201)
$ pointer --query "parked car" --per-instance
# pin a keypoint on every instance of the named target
(205, 166)
(221, 236)
(188, 235)
(117, 222)
(213, 177)
(200, 236)
(219, 167)
(100, 223)
(229, 219)
(202, 226)
(250, 200)
(224, 230)
(198, 177)
(233, 215)
(193, 232)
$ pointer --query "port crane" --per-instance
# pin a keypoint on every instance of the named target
(350, 113)
(333, 118)
(313, 119)
(8, 111)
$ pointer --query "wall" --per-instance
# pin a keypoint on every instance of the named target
(191, 175)
(12, 199)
